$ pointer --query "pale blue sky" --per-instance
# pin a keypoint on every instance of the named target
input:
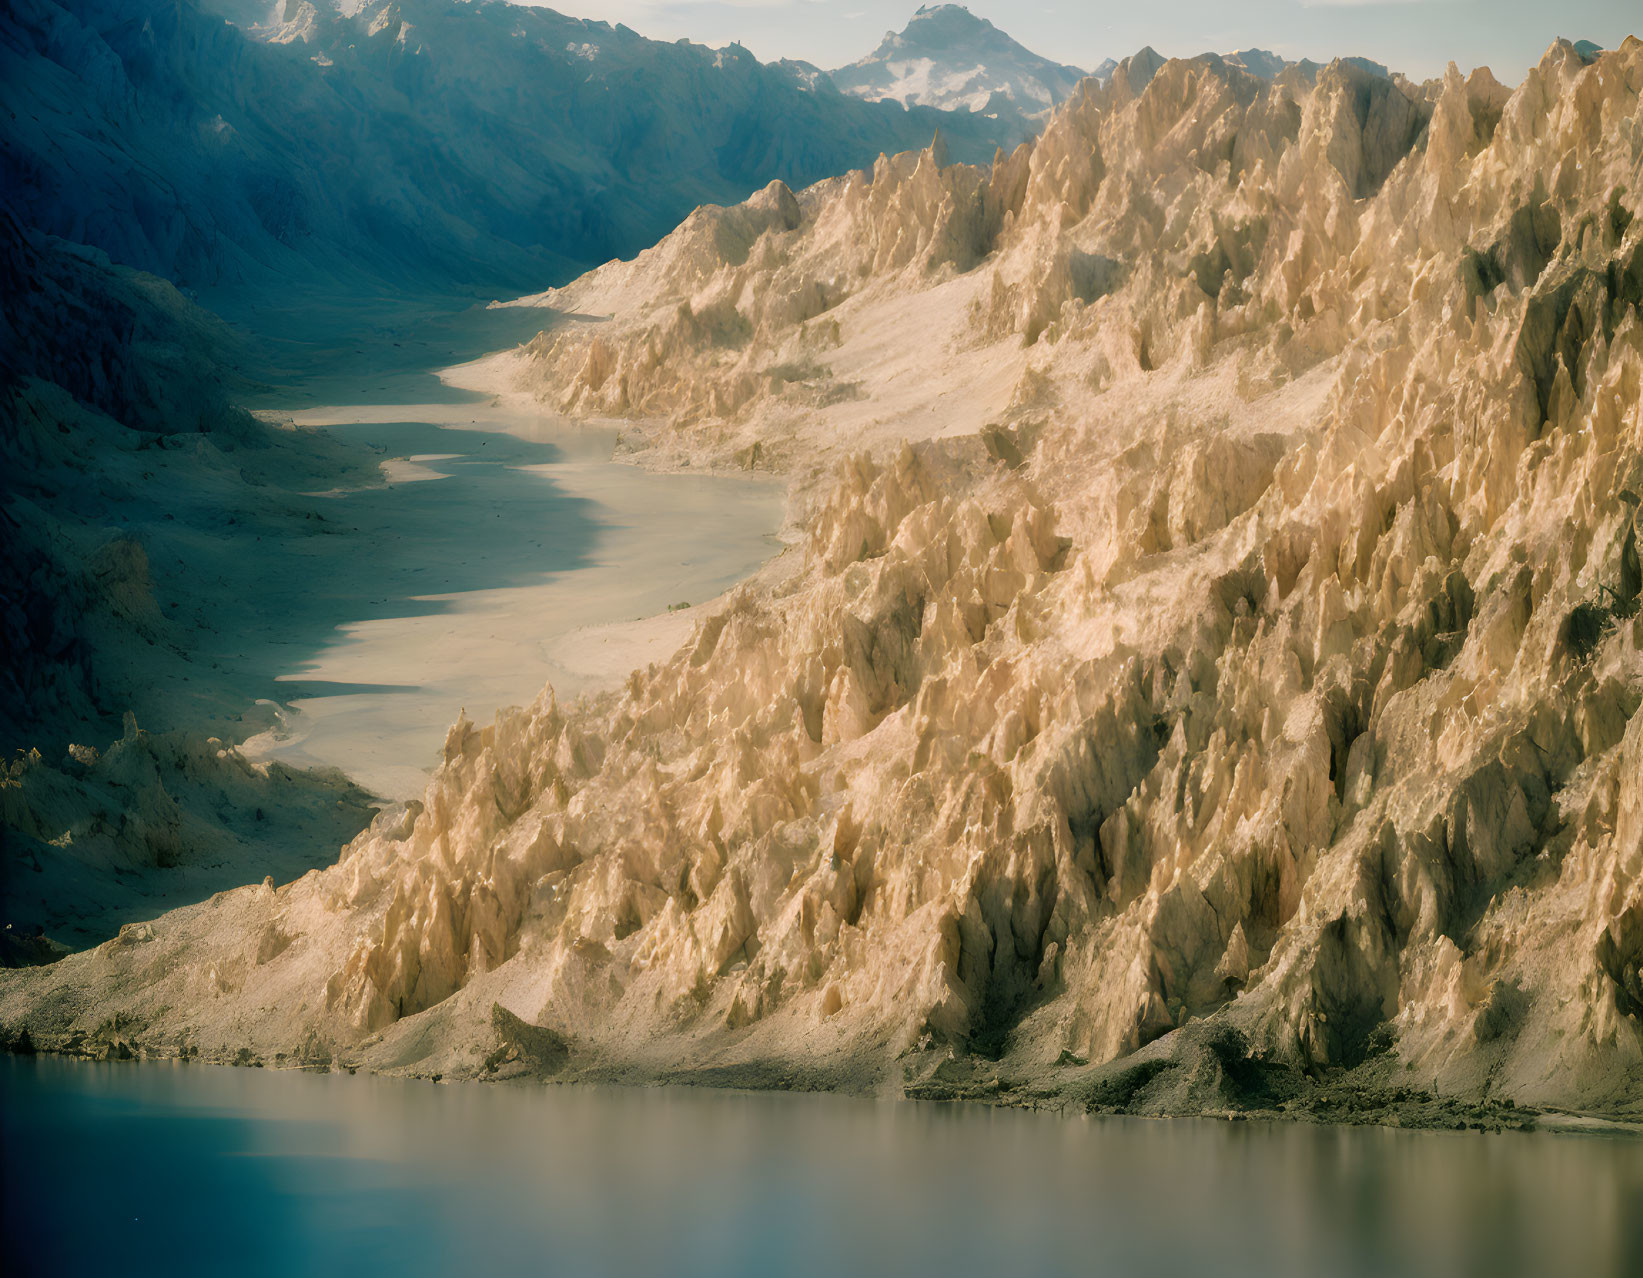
(1415, 36)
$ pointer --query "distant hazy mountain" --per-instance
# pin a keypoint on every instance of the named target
(949, 58)
(1258, 62)
(417, 143)
(1261, 63)
(1268, 66)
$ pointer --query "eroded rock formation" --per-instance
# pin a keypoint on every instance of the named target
(1212, 658)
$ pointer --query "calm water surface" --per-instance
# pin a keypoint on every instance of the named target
(198, 1170)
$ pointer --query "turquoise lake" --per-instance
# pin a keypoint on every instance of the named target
(188, 1169)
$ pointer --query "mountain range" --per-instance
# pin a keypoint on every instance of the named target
(1207, 678)
(948, 57)
(412, 144)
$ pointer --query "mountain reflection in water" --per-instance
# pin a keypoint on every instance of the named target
(198, 1170)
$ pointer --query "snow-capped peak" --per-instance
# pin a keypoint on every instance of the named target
(949, 58)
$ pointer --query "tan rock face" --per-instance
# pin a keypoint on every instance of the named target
(1218, 601)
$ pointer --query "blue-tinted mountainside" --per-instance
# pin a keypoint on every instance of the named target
(415, 143)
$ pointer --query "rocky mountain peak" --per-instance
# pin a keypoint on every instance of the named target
(948, 57)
